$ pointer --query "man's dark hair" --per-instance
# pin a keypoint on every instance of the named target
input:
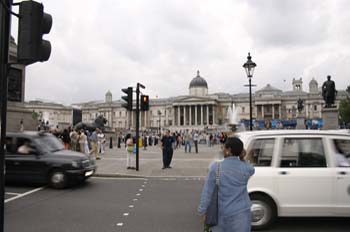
(235, 145)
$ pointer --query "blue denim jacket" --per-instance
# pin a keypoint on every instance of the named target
(233, 194)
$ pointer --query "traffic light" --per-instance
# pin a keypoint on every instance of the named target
(33, 23)
(144, 102)
(127, 98)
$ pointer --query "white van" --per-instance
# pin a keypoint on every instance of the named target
(298, 173)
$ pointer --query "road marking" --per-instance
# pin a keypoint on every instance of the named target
(120, 224)
(140, 190)
(135, 199)
(143, 186)
(138, 194)
(10, 193)
(131, 206)
(24, 194)
(125, 214)
(117, 178)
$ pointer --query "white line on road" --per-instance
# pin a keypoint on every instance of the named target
(23, 194)
(117, 178)
(120, 224)
(10, 193)
(125, 214)
(131, 206)
(138, 194)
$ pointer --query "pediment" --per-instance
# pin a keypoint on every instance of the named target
(193, 99)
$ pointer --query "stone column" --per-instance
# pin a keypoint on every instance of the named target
(273, 111)
(195, 115)
(190, 121)
(262, 112)
(280, 111)
(184, 115)
(178, 116)
(202, 115)
(213, 113)
(207, 115)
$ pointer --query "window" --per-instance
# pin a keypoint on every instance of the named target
(260, 153)
(10, 146)
(243, 109)
(315, 107)
(303, 153)
(342, 154)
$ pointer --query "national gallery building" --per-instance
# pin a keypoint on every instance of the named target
(202, 110)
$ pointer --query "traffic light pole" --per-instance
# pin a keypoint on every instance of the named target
(5, 16)
(138, 122)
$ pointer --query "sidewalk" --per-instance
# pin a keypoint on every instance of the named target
(113, 162)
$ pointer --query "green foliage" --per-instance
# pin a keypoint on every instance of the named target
(344, 111)
(35, 115)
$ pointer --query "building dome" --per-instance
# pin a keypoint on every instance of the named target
(198, 81)
(108, 97)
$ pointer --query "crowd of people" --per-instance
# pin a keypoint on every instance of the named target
(81, 140)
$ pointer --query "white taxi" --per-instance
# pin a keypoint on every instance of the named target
(298, 173)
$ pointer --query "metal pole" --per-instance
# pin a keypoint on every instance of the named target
(4, 56)
(137, 124)
(250, 105)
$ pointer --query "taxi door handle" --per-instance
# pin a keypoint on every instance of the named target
(283, 172)
(342, 173)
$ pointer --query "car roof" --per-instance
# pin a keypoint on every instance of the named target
(26, 134)
(248, 134)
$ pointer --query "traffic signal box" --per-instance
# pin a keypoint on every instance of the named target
(128, 98)
(33, 24)
(144, 102)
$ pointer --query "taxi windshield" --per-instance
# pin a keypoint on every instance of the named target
(49, 143)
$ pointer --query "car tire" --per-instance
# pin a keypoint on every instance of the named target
(263, 210)
(57, 179)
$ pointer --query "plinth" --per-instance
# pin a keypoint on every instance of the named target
(330, 118)
(300, 123)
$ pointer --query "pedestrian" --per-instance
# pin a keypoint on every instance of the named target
(65, 138)
(129, 151)
(74, 136)
(94, 141)
(83, 144)
(233, 200)
(167, 149)
(101, 141)
(196, 140)
(188, 141)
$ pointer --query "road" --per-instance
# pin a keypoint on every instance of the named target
(134, 205)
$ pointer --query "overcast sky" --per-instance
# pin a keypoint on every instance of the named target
(112, 44)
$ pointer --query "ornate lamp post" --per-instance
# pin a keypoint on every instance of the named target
(249, 67)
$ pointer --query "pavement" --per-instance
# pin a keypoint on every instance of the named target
(113, 162)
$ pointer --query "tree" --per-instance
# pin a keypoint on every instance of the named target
(344, 111)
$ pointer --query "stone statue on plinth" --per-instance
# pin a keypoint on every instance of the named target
(300, 105)
(329, 92)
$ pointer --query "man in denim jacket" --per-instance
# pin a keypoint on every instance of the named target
(234, 201)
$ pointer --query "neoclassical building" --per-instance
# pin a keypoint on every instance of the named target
(200, 109)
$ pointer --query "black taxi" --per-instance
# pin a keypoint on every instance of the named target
(41, 158)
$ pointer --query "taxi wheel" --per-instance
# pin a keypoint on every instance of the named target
(57, 179)
(263, 211)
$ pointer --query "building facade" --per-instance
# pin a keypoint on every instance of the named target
(201, 110)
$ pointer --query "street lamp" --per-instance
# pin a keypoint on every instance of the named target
(249, 67)
(160, 115)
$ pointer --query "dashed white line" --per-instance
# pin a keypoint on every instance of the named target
(125, 214)
(23, 194)
(138, 194)
(131, 206)
(135, 199)
(120, 224)
(140, 190)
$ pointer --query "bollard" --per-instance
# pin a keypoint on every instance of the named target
(110, 143)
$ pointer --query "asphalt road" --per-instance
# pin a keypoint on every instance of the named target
(128, 205)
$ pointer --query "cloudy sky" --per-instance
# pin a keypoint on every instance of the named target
(112, 44)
